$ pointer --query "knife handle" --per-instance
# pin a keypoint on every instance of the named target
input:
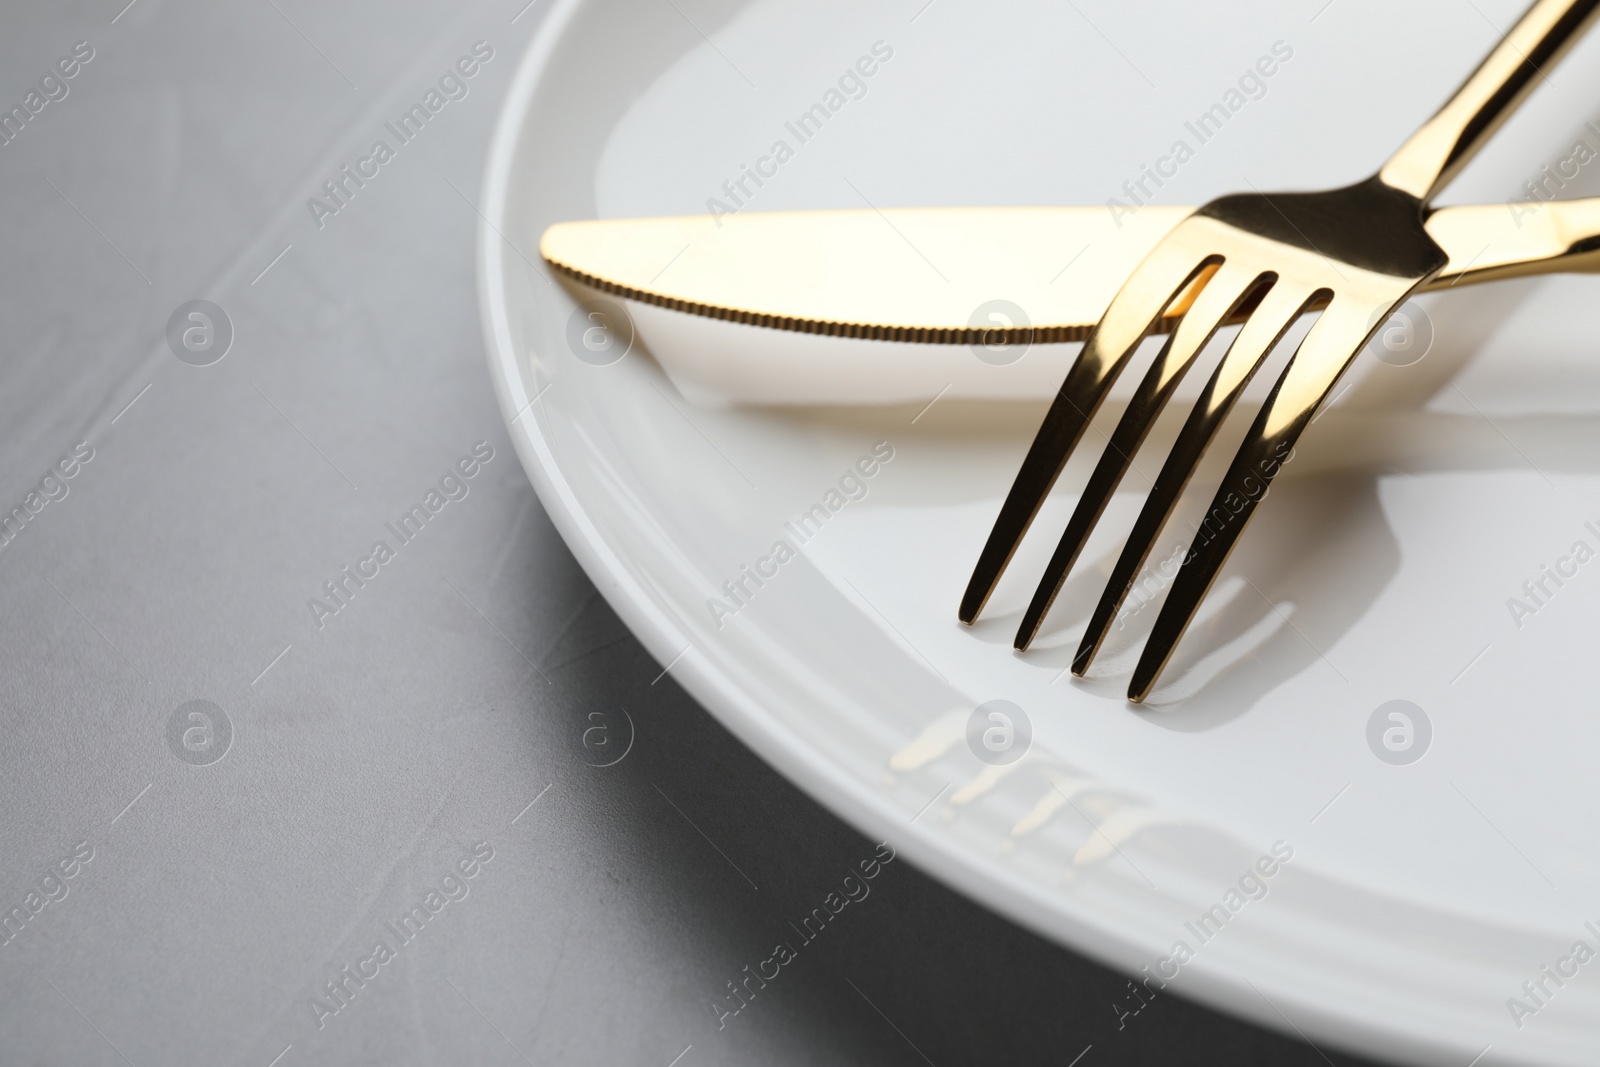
(1487, 242)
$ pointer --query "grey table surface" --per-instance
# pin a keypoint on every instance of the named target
(472, 762)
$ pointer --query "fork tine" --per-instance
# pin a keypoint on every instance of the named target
(1282, 305)
(1310, 377)
(1165, 273)
(1223, 294)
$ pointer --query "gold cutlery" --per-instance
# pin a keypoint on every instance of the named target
(1359, 252)
(1354, 254)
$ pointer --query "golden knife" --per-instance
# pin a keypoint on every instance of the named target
(918, 274)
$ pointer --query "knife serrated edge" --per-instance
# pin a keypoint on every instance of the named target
(859, 330)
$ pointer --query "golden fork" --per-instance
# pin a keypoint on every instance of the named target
(1360, 251)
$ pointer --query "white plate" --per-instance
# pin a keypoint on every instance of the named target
(1419, 897)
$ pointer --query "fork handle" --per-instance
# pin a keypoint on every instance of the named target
(1437, 152)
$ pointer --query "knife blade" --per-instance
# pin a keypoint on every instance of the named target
(998, 279)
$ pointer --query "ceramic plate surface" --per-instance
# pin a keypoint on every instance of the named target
(1362, 803)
